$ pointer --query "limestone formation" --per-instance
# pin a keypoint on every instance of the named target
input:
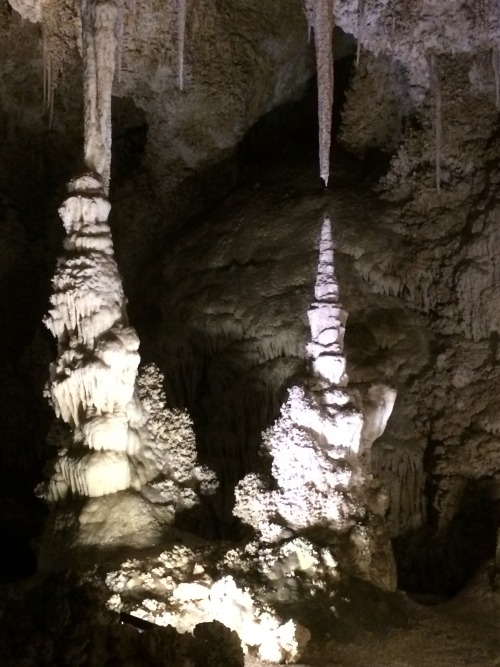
(327, 318)
(323, 20)
(99, 45)
(315, 480)
(92, 383)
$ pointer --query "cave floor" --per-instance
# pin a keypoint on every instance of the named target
(440, 638)
(463, 632)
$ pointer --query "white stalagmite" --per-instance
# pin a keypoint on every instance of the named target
(92, 384)
(99, 41)
(116, 442)
(317, 428)
(323, 28)
(317, 477)
(327, 318)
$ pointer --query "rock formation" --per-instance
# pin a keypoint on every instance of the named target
(114, 442)
(92, 384)
(315, 482)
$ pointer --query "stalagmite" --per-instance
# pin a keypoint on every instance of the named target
(323, 28)
(316, 475)
(317, 427)
(327, 318)
(92, 384)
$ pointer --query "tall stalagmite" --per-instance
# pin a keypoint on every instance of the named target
(327, 318)
(317, 480)
(92, 384)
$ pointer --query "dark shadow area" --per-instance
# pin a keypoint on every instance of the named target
(130, 132)
(344, 612)
(230, 408)
(439, 563)
(287, 134)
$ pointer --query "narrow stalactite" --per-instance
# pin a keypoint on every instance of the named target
(495, 61)
(323, 29)
(309, 14)
(99, 40)
(438, 121)
(361, 24)
(181, 40)
(48, 79)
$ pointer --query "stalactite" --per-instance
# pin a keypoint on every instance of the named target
(309, 13)
(99, 53)
(438, 122)
(361, 24)
(495, 60)
(48, 78)
(401, 472)
(323, 30)
(181, 38)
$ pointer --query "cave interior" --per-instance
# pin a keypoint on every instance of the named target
(293, 207)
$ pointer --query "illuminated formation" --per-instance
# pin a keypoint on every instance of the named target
(327, 319)
(317, 428)
(93, 379)
(316, 480)
(92, 384)
(315, 515)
